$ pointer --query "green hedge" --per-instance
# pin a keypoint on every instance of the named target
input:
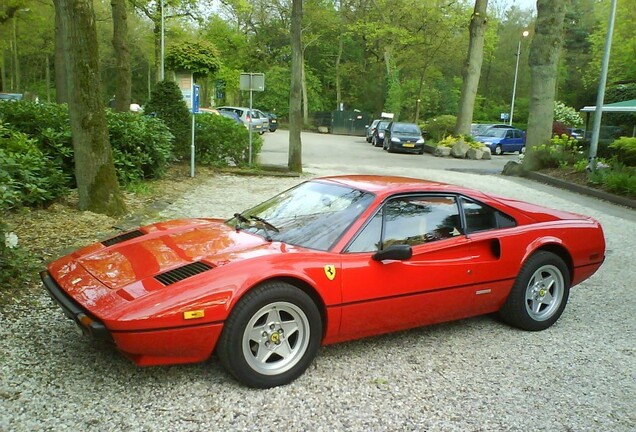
(220, 141)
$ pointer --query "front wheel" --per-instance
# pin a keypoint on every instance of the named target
(540, 292)
(271, 336)
(498, 150)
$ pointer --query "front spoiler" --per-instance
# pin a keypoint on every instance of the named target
(90, 326)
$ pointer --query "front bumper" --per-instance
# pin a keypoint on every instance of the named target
(90, 325)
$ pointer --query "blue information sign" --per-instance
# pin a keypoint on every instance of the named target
(195, 98)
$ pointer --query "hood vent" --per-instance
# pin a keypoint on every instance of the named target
(181, 273)
(122, 237)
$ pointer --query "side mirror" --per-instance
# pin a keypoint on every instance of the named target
(394, 252)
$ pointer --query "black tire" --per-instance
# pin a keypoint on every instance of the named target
(389, 148)
(498, 150)
(272, 308)
(272, 130)
(539, 295)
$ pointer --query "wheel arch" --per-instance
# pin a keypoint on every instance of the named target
(304, 286)
(560, 251)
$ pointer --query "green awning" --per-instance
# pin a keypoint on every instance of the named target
(624, 106)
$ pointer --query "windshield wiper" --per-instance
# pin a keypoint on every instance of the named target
(266, 226)
(264, 222)
(240, 218)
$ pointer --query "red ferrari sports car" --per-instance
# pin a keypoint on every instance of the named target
(330, 260)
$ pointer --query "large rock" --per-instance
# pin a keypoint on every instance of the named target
(486, 154)
(459, 149)
(442, 151)
(323, 129)
(512, 169)
(474, 154)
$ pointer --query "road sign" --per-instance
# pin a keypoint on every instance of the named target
(252, 81)
(195, 98)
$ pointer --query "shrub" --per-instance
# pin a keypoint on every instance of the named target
(142, 146)
(48, 124)
(450, 141)
(220, 141)
(440, 127)
(27, 178)
(618, 179)
(166, 102)
(559, 152)
(625, 150)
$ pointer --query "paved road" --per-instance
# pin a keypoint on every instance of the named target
(349, 152)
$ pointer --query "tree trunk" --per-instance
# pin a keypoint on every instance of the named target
(157, 39)
(543, 62)
(61, 90)
(123, 72)
(97, 185)
(472, 68)
(295, 92)
(338, 59)
(16, 59)
(304, 91)
(393, 102)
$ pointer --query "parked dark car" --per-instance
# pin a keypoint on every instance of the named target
(501, 140)
(371, 129)
(273, 121)
(377, 139)
(406, 137)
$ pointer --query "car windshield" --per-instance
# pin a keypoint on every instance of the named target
(312, 215)
(496, 132)
(406, 128)
(382, 125)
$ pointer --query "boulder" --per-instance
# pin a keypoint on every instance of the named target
(512, 169)
(323, 129)
(442, 151)
(459, 149)
(486, 154)
(474, 154)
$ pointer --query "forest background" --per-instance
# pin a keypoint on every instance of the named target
(371, 55)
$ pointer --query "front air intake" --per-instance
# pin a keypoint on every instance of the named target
(181, 273)
(122, 237)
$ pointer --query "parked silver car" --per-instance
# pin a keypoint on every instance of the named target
(258, 121)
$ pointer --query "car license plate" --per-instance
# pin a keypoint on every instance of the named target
(408, 145)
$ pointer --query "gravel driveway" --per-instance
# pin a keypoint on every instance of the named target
(474, 374)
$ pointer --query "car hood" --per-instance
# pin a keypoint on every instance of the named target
(165, 247)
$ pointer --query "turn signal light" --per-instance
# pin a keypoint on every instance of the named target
(194, 314)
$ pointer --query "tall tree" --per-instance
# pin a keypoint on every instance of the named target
(123, 79)
(472, 68)
(543, 61)
(94, 169)
(61, 90)
(295, 93)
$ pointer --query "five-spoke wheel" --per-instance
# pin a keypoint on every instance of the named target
(271, 336)
(540, 292)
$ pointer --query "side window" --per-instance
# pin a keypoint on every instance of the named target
(480, 217)
(509, 134)
(418, 220)
(368, 240)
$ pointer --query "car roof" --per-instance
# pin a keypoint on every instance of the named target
(386, 184)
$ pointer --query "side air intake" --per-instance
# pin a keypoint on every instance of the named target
(181, 273)
(122, 237)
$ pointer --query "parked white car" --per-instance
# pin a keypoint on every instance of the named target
(258, 121)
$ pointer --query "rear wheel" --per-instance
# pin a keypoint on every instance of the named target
(539, 294)
(271, 336)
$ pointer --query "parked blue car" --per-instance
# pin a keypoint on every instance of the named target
(501, 140)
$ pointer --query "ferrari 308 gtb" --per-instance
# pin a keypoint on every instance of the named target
(330, 260)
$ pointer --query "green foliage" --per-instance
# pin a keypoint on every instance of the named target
(451, 140)
(201, 58)
(440, 127)
(566, 115)
(618, 179)
(142, 146)
(27, 178)
(219, 141)
(560, 152)
(166, 102)
(48, 124)
(17, 265)
(625, 150)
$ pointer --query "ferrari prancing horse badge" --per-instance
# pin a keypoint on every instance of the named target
(330, 271)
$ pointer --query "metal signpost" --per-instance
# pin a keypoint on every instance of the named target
(195, 110)
(252, 82)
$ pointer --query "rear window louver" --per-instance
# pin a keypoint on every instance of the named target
(122, 237)
(181, 273)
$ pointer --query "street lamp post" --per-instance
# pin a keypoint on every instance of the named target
(514, 85)
(163, 44)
